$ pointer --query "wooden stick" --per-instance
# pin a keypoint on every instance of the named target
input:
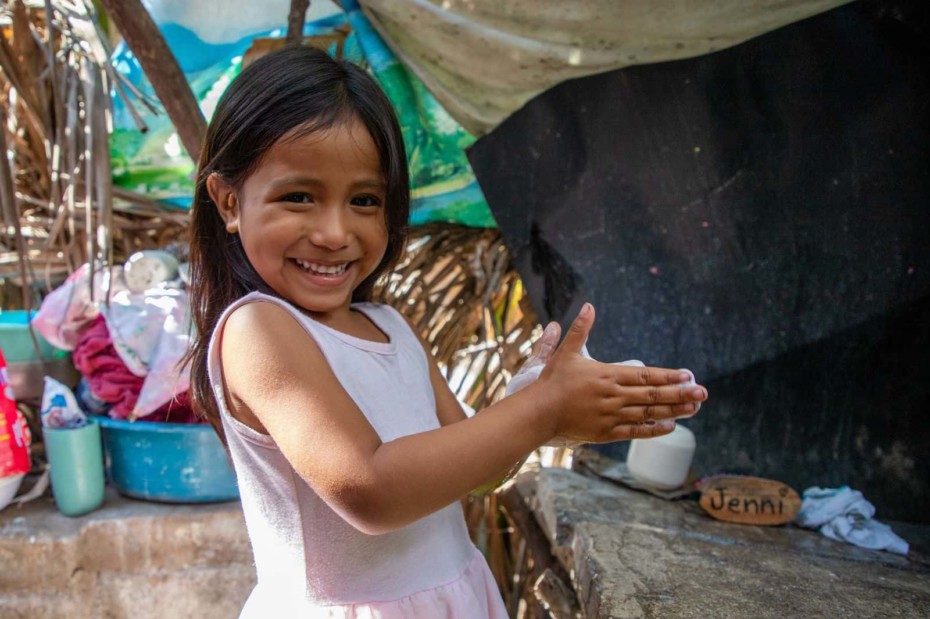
(538, 553)
(556, 596)
(7, 192)
(8, 198)
(295, 22)
(161, 67)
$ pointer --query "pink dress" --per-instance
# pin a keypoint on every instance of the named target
(312, 563)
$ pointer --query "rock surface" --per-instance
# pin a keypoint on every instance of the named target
(632, 555)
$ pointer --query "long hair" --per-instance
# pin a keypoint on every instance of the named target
(289, 93)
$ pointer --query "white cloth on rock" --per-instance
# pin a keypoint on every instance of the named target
(844, 514)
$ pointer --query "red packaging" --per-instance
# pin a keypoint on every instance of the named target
(14, 433)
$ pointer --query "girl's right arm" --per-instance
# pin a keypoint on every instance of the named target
(278, 381)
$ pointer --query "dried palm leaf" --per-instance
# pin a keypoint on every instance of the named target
(458, 286)
(55, 80)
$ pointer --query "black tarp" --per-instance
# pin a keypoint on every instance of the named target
(760, 215)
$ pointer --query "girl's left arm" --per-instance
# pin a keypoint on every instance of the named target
(449, 411)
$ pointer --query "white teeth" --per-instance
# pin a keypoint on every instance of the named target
(323, 269)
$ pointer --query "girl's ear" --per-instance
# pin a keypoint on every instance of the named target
(225, 200)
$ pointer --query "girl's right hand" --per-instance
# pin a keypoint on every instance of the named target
(601, 402)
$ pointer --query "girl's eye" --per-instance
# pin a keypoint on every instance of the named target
(368, 201)
(298, 197)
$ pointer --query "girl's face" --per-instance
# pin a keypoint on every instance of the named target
(311, 217)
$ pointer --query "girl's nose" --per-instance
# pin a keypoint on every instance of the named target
(329, 229)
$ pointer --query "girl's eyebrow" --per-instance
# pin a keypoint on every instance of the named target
(369, 183)
(290, 181)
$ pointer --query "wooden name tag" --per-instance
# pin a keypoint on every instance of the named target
(749, 500)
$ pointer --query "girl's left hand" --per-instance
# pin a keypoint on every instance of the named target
(541, 352)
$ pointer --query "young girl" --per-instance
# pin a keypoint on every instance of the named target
(350, 450)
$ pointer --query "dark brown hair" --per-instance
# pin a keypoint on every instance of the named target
(289, 93)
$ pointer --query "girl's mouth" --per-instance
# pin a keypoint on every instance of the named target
(322, 270)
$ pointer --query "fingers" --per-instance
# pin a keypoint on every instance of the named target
(650, 411)
(691, 382)
(642, 414)
(643, 375)
(578, 333)
(545, 345)
(683, 379)
(649, 429)
(652, 395)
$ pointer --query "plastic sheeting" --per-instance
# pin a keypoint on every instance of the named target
(209, 43)
(758, 215)
(209, 38)
(483, 59)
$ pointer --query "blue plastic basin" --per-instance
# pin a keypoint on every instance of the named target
(169, 462)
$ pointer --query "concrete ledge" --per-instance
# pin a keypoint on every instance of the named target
(632, 555)
(128, 559)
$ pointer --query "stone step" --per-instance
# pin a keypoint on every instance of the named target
(128, 559)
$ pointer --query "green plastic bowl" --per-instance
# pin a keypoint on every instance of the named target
(16, 341)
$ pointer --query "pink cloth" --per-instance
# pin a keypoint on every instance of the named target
(312, 563)
(109, 378)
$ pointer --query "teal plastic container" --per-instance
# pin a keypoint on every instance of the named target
(167, 462)
(16, 341)
(76, 462)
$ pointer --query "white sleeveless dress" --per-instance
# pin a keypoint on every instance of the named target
(309, 561)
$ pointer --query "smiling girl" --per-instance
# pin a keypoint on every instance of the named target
(350, 450)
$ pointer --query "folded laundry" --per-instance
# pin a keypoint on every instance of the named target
(149, 331)
(111, 381)
(844, 514)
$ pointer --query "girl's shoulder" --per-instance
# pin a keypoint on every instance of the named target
(256, 315)
(254, 306)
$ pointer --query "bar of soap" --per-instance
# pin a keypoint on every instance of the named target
(749, 500)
